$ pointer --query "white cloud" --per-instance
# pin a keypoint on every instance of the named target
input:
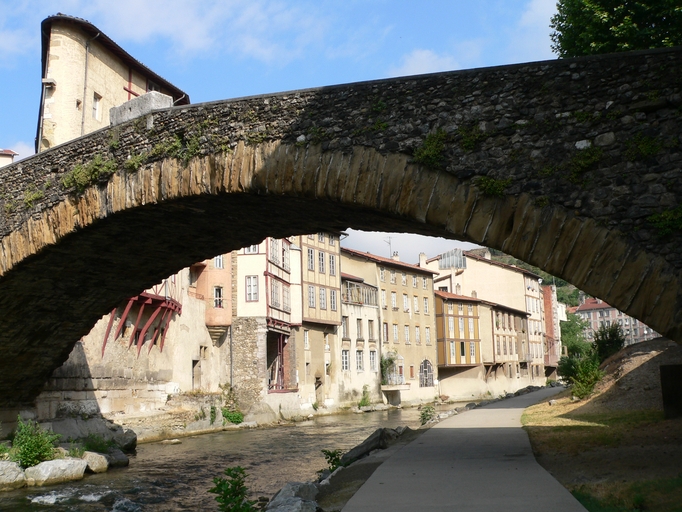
(529, 38)
(25, 150)
(420, 61)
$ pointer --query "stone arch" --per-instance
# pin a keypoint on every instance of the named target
(192, 182)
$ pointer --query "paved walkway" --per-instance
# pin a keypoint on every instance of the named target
(480, 460)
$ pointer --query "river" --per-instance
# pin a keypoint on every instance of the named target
(177, 477)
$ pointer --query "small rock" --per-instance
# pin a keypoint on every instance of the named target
(552, 402)
(171, 441)
(117, 459)
(97, 463)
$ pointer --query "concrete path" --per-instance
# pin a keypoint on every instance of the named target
(480, 460)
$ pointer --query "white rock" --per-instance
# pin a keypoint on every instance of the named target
(11, 476)
(97, 463)
(56, 471)
(293, 505)
(583, 144)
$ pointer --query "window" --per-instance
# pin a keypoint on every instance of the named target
(460, 308)
(416, 304)
(370, 329)
(345, 360)
(306, 339)
(359, 360)
(383, 299)
(332, 264)
(285, 256)
(472, 334)
(251, 288)
(462, 351)
(414, 281)
(251, 249)
(425, 374)
(451, 327)
(385, 328)
(311, 259)
(358, 332)
(498, 346)
(382, 273)
(427, 335)
(320, 260)
(96, 106)
(424, 286)
(320, 237)
(472, 351)
(275, 293)
(426, 305)
(453, 354)
(417, 335)
(217, 296)
(504, 345)
(332, 239)
(323, 298)
(394, 300)
(406, 303)
(411, 371)
(344, 327)
(395, 333)
(274, 250)
(311, 237)
(458, 289)
(450, 308)
(407, 334)
(470, 309)
(392, 276)
(218, 261)
(461, 327)
(332, 299)
(404, 279)
(286, 297)
(373, 360)
(311, 296)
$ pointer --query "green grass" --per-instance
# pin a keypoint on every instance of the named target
(659, 495)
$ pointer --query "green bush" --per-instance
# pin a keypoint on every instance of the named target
(583, 373)
(427, 414)
(232, 494)
(333, 458)
(235, 417)
(96, 443)
(608, 341)
(32, 445)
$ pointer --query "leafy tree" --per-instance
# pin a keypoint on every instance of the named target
(568, 295)
(588, 27)
(573, 337)
(608, 341)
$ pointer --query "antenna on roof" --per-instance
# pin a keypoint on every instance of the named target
(390, 248)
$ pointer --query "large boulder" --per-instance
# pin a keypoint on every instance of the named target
(117, 459)
(75, 429)
(97, 463)
(11, 476)
(294, 497)
(56, 471)
(380, 439)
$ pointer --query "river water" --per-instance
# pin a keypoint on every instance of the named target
(177, 477)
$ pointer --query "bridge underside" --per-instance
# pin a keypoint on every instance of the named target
(564, 165)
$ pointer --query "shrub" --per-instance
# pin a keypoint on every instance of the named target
(96, 443)
(333, 458)
(430, 154)
(427, 414)
(82, 176)
(586, 375)
(235, 417)
(364, 401)
(608, 341)
(32, 445)
(232, 493)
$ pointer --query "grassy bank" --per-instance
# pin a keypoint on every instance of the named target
(611, 460)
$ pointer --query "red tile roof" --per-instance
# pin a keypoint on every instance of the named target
(349, 277)
(8, 152)
(453, 296)
(592, 304)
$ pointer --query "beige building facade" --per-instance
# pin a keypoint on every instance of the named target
(85, 74)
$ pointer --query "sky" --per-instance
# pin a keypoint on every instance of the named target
(220, 49)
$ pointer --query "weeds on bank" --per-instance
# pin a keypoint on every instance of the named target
(235, 417)
(427, 413)
(231, 492)
(663, 494)
(561, 428)
(31, 444)
(364, 401)
(96, 443)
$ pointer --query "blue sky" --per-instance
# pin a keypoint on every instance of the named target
(218, 49)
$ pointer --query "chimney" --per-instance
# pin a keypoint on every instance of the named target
(395, 256)
(422, 259)
(487, 255)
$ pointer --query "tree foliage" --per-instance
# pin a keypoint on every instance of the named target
(588, 27)
(573, 337)
(608, 341)
(232, 493)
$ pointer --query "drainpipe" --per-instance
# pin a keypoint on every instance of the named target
(85, 80)
(231, 360)
(180, 98)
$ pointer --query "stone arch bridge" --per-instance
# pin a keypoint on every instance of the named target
(572, 165)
